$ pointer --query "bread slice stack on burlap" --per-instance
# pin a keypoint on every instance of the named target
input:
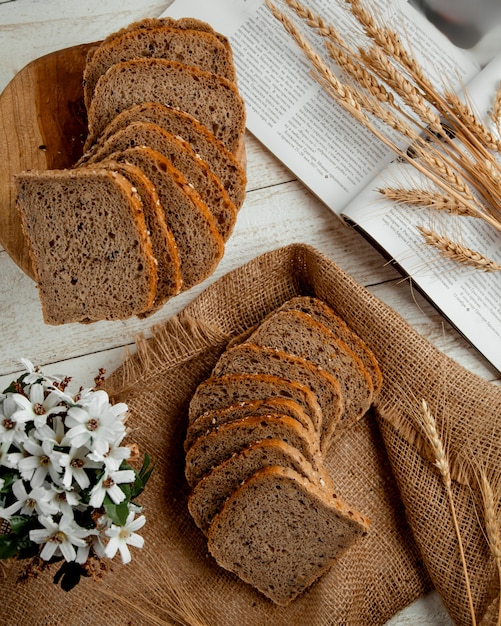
(165, 117)
(259, 429)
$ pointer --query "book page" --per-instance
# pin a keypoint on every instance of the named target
(469, 298)
(286, 108)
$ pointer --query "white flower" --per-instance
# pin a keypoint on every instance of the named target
(112, 458)
(74, 463)
(95, 422)
(37, 500)
(108, 485)
(9, 459)
(37, 407)
(54, 433)
(59, 537)
(12, 430)
(123, 536)
(43, 460)
(65, 501)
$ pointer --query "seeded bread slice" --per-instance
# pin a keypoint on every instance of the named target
(162, 240)
(250, 358)
(217, 417)
(320, 311)
(199, 244)
(210, 493)
(298, 333)
(191, 47)
(220, 443)
(211, 99)
(223, 391)
(279, 532)
(221, 161)
(183, 158)
(91, 253)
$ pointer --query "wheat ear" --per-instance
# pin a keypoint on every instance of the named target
(496, 109)
(428, 199)
(457, 252)
(429, 426)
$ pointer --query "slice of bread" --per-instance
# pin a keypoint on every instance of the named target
(210, 493)
(223, 391)
(217, 417)
(298, 333)
(279, 532)
(221, 161)
(254, 359)
(211, 99)
(162, 240)
(221, 442)
(91, 253)
(200, 246)
(320, 311)
(190, 47)
(183, 158)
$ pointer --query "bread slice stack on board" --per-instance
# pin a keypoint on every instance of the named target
(166, 121)
(259, 429)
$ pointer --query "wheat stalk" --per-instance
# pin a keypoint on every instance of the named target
(458, 252)
(441, 462)
(496, 109)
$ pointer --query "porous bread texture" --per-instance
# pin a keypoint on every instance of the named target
(220, 443)
(162, 240)
(323, 313)
(298, 333)
(200, 246)
(217, 417)
(190, 47)
(211, 99)
(279, 532)
(91, 253)
(211, 492)
(183, 158)
(221, 161)
(250, 358)
(222, 391)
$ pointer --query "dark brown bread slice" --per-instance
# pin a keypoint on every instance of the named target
(320, 311)
(211, 99)
(297, 333)
(91, 252)
(217, 417)
(223, 391)
(229, 170)
(183, 158)
(279, 532)
(200, 246)
(210, 493)
(191, 47)
(250, 358)
(220, 443)
(162, 240)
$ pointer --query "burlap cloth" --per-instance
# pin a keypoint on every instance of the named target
(379, 466)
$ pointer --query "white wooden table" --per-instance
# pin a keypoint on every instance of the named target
(278, 211)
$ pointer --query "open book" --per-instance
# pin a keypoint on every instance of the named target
(344, 165)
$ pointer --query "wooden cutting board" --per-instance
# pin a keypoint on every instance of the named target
(43, 125)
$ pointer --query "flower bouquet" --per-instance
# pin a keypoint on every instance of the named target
(67, 492)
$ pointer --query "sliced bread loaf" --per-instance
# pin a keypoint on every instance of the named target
(217, 417)
(223, 391)
(162, 240)
(298, 333)
(210, 493)
(211, 99)
(320, 311)
(221, 161)
(89, 244)
(183, 158)
(200, 246)
(219, 444)
(279, 532)
(251, 358)
(187, 46)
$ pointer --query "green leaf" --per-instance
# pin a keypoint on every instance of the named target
(19, 522)
(116, 512)
(9, 546)
(142, 477)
